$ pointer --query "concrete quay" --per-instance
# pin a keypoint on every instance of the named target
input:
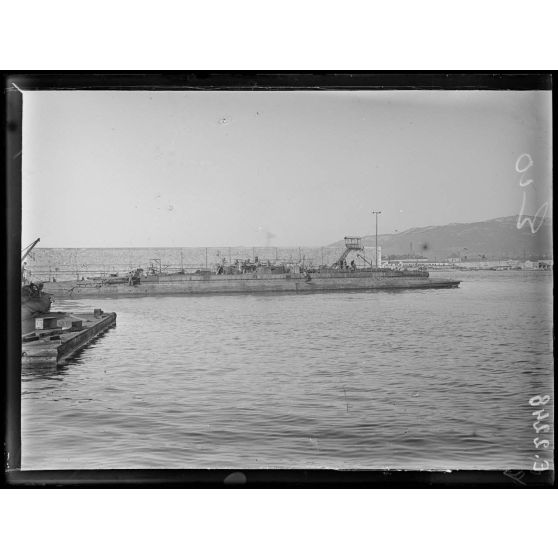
(58, 336)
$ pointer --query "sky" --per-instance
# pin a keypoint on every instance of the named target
(296, 168)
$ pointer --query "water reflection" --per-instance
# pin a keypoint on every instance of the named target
(435, 379)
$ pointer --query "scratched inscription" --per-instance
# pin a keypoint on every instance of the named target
(522, 165)
(542, 431)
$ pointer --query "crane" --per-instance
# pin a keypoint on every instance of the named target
(27, 250)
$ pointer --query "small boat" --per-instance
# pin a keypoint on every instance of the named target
(34, 301)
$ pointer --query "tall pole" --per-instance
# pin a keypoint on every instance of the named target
(376, 254)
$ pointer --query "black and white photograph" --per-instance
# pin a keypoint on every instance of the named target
(298, 278)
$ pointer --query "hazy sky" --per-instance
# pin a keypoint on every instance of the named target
(273, 168)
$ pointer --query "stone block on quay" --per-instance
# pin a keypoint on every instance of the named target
(70, 323)
(46, 323)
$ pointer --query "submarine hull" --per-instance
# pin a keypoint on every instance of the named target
(193, 284)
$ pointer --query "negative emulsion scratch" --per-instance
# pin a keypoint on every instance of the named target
(21, 91)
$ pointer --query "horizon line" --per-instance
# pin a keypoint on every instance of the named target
(547, 217)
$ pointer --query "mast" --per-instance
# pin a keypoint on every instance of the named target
(376, 255)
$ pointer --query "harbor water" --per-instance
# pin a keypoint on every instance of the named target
(416, 379)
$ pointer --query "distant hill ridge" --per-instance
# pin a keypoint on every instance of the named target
(495, 238)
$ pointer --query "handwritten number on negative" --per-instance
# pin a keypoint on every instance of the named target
(544, 444)
(538, 400)
(523, 164)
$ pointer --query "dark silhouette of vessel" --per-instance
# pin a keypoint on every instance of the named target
(254, 277)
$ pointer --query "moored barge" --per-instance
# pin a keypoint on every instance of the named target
(253, 277)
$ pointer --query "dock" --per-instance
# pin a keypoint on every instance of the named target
(58, 336)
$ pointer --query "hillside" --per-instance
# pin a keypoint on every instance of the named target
(494, 239)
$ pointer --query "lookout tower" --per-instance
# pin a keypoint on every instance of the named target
(352, 244)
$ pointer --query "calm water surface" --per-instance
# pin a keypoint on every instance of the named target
(410, 379)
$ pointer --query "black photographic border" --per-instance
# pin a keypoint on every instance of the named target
(15, 82)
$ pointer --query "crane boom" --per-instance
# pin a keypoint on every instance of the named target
(27, 250)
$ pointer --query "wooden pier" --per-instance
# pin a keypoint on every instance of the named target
(58, 336)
